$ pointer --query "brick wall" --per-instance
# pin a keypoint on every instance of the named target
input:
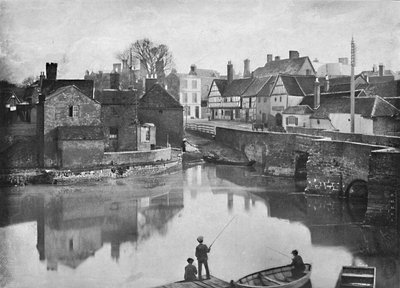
(81, 153)
(168, 122)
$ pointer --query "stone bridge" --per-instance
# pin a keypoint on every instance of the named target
(335, 164)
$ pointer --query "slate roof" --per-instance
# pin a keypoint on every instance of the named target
(385, 89)
(286, 66)
(309, 100)
(158, 97)
(257, 86)
(365, 106)
(237, 87)
(395, 101)
(298, 110)
(116, 97)
(80, 133)
(86, 86)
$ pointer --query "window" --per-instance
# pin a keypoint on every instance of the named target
(275, 99)
(113, 133)
(145, 134)
(184, 83)
(73, 111)
(194, 97)
(308, 71)
(280, 98)
(291, 120)
(265, 99)
(185, 97)
(194, 84)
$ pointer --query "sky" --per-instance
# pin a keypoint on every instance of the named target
(87, 35)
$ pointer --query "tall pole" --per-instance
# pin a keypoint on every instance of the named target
(352, 96)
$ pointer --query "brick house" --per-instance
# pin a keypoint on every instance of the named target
(159, 107)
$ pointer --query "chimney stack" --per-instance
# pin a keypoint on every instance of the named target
(293, 54)
(269, 58)
(246, 70)
(150, 83)
(317, 93)
(193, 69)
(326, 87)
(51, 71)
(381, 67)
(114, 80)
(229, 72)
(277, 58)
(374, 68)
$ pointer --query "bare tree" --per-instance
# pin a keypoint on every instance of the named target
(156, 59)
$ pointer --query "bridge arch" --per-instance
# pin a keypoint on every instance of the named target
(356, 189)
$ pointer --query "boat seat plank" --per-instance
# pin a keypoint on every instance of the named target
(272, 280)
(357, 275)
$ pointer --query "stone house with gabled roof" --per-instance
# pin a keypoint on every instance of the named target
(159, 107)
(67, 107)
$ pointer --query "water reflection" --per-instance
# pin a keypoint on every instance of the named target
(138, 232)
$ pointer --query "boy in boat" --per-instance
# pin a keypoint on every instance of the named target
(202, 258)
(190, 271)
(298, 265)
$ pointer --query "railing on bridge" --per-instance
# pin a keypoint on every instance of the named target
(203, 128)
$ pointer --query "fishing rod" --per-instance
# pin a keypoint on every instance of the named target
(278, 252)
(223, 230)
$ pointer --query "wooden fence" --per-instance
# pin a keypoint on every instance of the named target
(203, 128)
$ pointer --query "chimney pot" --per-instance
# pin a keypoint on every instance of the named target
(269, 58)
(277, 58)
(51, 71)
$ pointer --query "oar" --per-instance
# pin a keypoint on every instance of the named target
(222, 230)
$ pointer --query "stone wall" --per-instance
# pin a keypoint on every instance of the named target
(275, 151)
(384, 187)
(135, 157)
(334, 165)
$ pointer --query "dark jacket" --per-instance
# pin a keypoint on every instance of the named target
(190, 272)
(201, 252)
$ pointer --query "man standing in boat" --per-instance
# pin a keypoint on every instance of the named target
(298, 265)
(202, 258)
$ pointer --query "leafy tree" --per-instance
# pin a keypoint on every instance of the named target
(29, 81)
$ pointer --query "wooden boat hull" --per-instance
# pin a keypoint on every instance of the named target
(273, 278)
(358, 276)
(214, 160)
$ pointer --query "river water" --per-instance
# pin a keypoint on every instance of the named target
(138, 232)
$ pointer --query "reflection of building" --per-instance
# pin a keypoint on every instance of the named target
(74, 226)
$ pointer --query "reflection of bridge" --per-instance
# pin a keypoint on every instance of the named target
(337, 164)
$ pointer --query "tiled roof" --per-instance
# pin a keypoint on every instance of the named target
(309, 100)
(221, 85)
(237, 87)
(66, 89)
(395, 101)
(298, 110)
(116, 97)
(298, 85)
(286, 66)
(86, 86)
(158, 97)
(385, 89)
(257, 86)
(365, 106)
(80, 133)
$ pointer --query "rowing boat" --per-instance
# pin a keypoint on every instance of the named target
(274, 277)
(358, 276)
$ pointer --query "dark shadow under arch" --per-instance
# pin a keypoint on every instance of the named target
(357, 189)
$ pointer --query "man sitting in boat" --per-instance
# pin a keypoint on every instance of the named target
(298, 265)
(190, 271)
